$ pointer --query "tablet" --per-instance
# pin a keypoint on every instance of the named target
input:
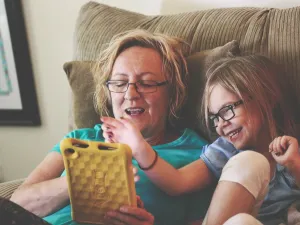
(100, 178)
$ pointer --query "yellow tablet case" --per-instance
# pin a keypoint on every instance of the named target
(99, 176)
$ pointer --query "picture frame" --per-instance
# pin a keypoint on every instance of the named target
(18, 100)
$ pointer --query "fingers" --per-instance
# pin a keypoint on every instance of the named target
(113, 123)
(108, 135)
(135, 171)
(112, 221)
(275, 147)
(284, 142)
(109, 127)
(139, 213)
(127, 123)
(278, 147)
(140, 203)
(123, 217)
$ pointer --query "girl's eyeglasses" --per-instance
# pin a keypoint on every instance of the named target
(226, 113)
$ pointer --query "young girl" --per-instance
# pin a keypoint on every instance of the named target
(248, 105)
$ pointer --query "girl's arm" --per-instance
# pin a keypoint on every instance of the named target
(189, 178)
(285, 150)
(192, 177)
(43, 192)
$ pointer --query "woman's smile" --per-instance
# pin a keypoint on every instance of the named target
(134, 111)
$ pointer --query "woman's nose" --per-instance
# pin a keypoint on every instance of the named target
(131, 92)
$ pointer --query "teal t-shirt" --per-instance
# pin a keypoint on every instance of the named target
(166, 209)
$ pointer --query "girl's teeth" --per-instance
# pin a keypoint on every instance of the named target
(234, 133)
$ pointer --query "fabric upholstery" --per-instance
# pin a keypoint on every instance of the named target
(7, 188)
(82, 85)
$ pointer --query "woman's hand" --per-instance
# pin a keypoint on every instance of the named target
(285, 150)
(130, 215)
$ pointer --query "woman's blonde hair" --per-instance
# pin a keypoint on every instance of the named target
(257, 78)
(173, 61)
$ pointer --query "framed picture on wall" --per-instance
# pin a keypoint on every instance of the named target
(18, 101)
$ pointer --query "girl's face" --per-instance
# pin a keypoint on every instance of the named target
(244, 129)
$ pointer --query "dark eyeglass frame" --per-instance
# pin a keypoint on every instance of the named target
(155, 84)
(232, 106)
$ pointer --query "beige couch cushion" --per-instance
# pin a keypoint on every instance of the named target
(271, 32)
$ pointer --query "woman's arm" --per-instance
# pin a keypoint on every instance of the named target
(173, 181)
(44, 191)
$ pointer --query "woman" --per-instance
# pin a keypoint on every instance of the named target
(248, 105)
(141, 77)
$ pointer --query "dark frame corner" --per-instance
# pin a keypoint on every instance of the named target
(29, 114)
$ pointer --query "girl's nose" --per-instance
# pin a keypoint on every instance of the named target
(221, 124)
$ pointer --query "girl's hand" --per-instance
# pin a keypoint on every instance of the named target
(130, 215)
(285, 150)
(122, 131)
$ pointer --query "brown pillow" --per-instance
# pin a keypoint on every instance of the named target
(81, 81)
(198, 63)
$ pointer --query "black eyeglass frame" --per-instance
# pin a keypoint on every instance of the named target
(157, 84)
(232, 106)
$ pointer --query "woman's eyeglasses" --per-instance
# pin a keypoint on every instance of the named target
(141, 86)
(226, 113)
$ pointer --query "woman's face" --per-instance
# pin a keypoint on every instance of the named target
(245, 128)
(148, 111)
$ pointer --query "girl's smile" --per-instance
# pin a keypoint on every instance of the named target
(240, 128)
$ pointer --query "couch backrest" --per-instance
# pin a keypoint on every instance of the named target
(268, 31)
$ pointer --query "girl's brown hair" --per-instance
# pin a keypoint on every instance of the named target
(257, 77)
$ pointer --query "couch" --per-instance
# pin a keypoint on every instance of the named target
(210, 34)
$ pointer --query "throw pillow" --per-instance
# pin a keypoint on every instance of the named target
(79, 74)
(198, 63)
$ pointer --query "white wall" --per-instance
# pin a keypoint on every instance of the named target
(50, 26)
